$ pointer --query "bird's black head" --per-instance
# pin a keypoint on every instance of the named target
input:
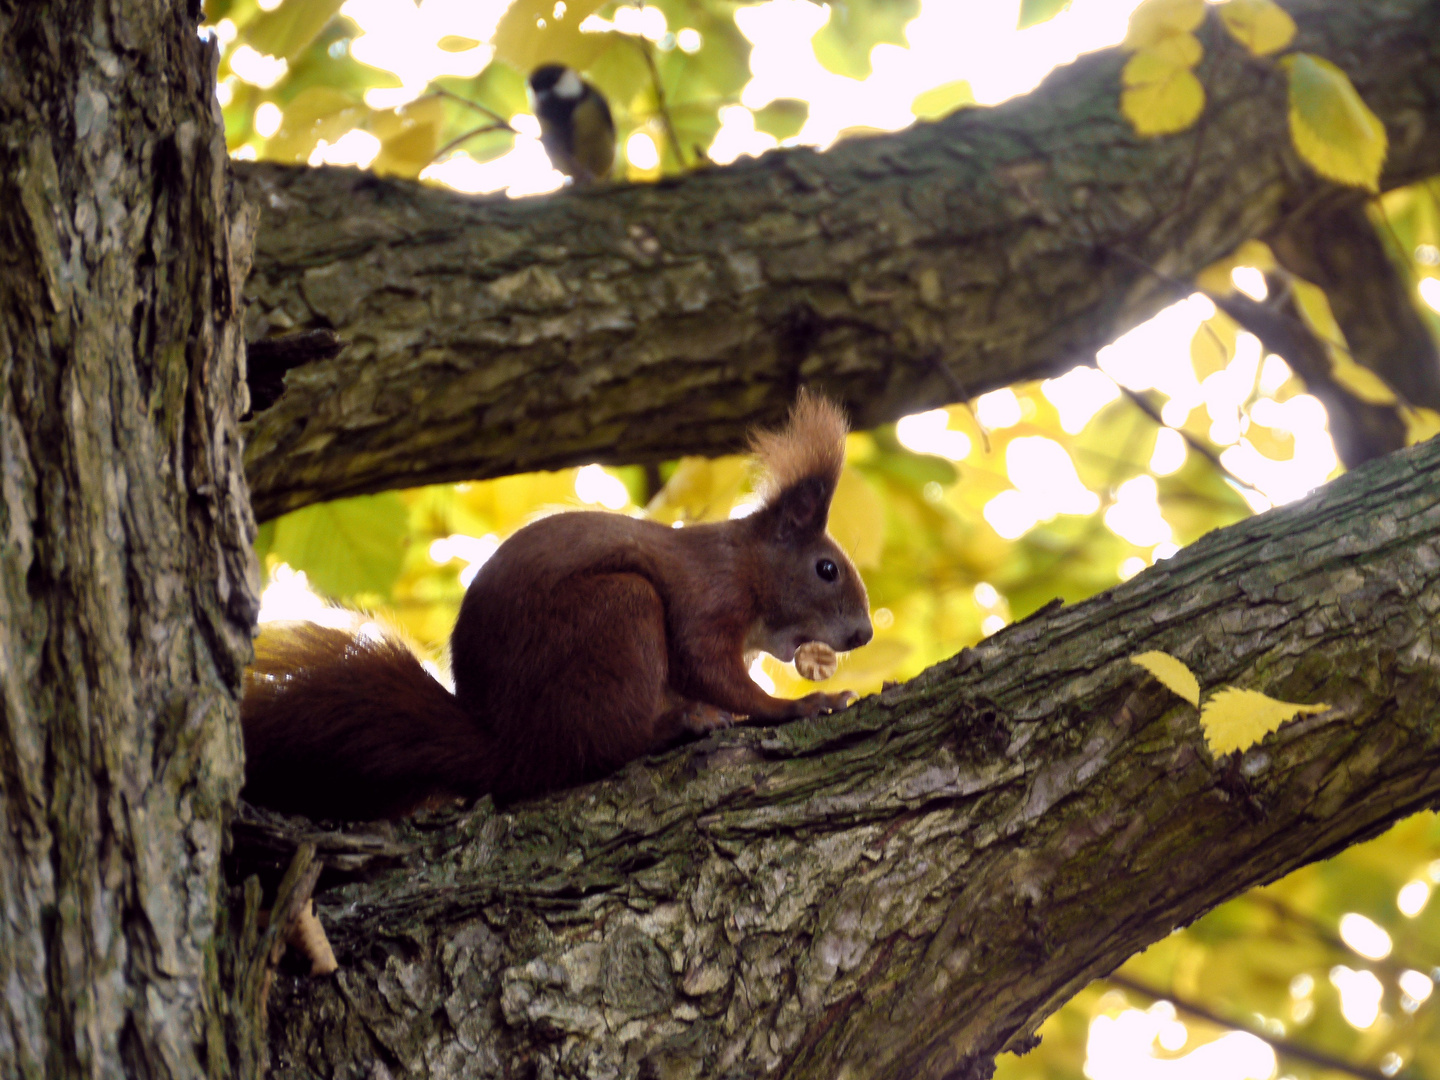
(545, 77)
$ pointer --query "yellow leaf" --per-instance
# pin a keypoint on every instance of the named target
(1160, 97)
(1176, 50)
(1333, 129)
(1215, 278)
(317, 112)
(1172, 672)
(1360, 381)
(1420, 424)
(1235, 719)
(1315, 309)
(700, 489)
(1212, 346)
(530, 34)
(409, 137)
(857, 519)
(1156, 19)
(1262, 26)
(1272, 443)
(454, 43)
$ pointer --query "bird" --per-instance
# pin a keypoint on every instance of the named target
(576, 127)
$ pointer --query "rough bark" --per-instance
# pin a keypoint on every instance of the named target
(632, 323)
(127, 580)
(907, 888)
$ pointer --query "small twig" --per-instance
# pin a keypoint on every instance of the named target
(499, 120)
(661, 107)
(1195, 444)
(453, 143)
(1279, 1044)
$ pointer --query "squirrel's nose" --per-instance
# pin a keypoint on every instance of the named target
(859, 637)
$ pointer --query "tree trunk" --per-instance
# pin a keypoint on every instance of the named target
(127, 579)
(909, 887)
(638, 322)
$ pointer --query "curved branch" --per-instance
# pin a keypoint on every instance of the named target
(631, 323)
(911, 886)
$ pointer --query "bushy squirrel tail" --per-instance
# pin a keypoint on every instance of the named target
(347, 723)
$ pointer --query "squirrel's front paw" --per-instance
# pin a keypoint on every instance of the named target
(699, 718)
(820, 702)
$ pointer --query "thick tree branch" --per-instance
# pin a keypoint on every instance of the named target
(1334, 245)
(908, 887)
(632, 323)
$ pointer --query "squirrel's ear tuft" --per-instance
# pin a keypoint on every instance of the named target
(800, 511)
(811, 446)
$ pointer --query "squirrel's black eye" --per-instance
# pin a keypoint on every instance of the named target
(827, 570)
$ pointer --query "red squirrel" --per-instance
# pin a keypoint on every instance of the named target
(587, 640)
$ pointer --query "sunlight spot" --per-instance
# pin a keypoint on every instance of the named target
(986, 595)
(1365, 936)
(355, 147)
(640, 149)
(1170, 452)
(992, 624)
(474, 551)
(929, 433)
(1130, 567)
(598, 488)
(1413, 897)
(738, 136)
(1135, 515)
(1360, 995)
(1079, 395)
(268, 119)
(759, 677)
(998, 409)
(256, 68)
(744, 508)
(1250, 281)
(1417, 985)
(288, 598)
(1123, 1047)
(1430, 293)
(526, 170)
(1274, 374)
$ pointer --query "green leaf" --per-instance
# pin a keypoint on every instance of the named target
(855, 27)
(290, 27)
(348, 547)
(1039, 11)
(264, 540)
(1332, 127)
(782, 118)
